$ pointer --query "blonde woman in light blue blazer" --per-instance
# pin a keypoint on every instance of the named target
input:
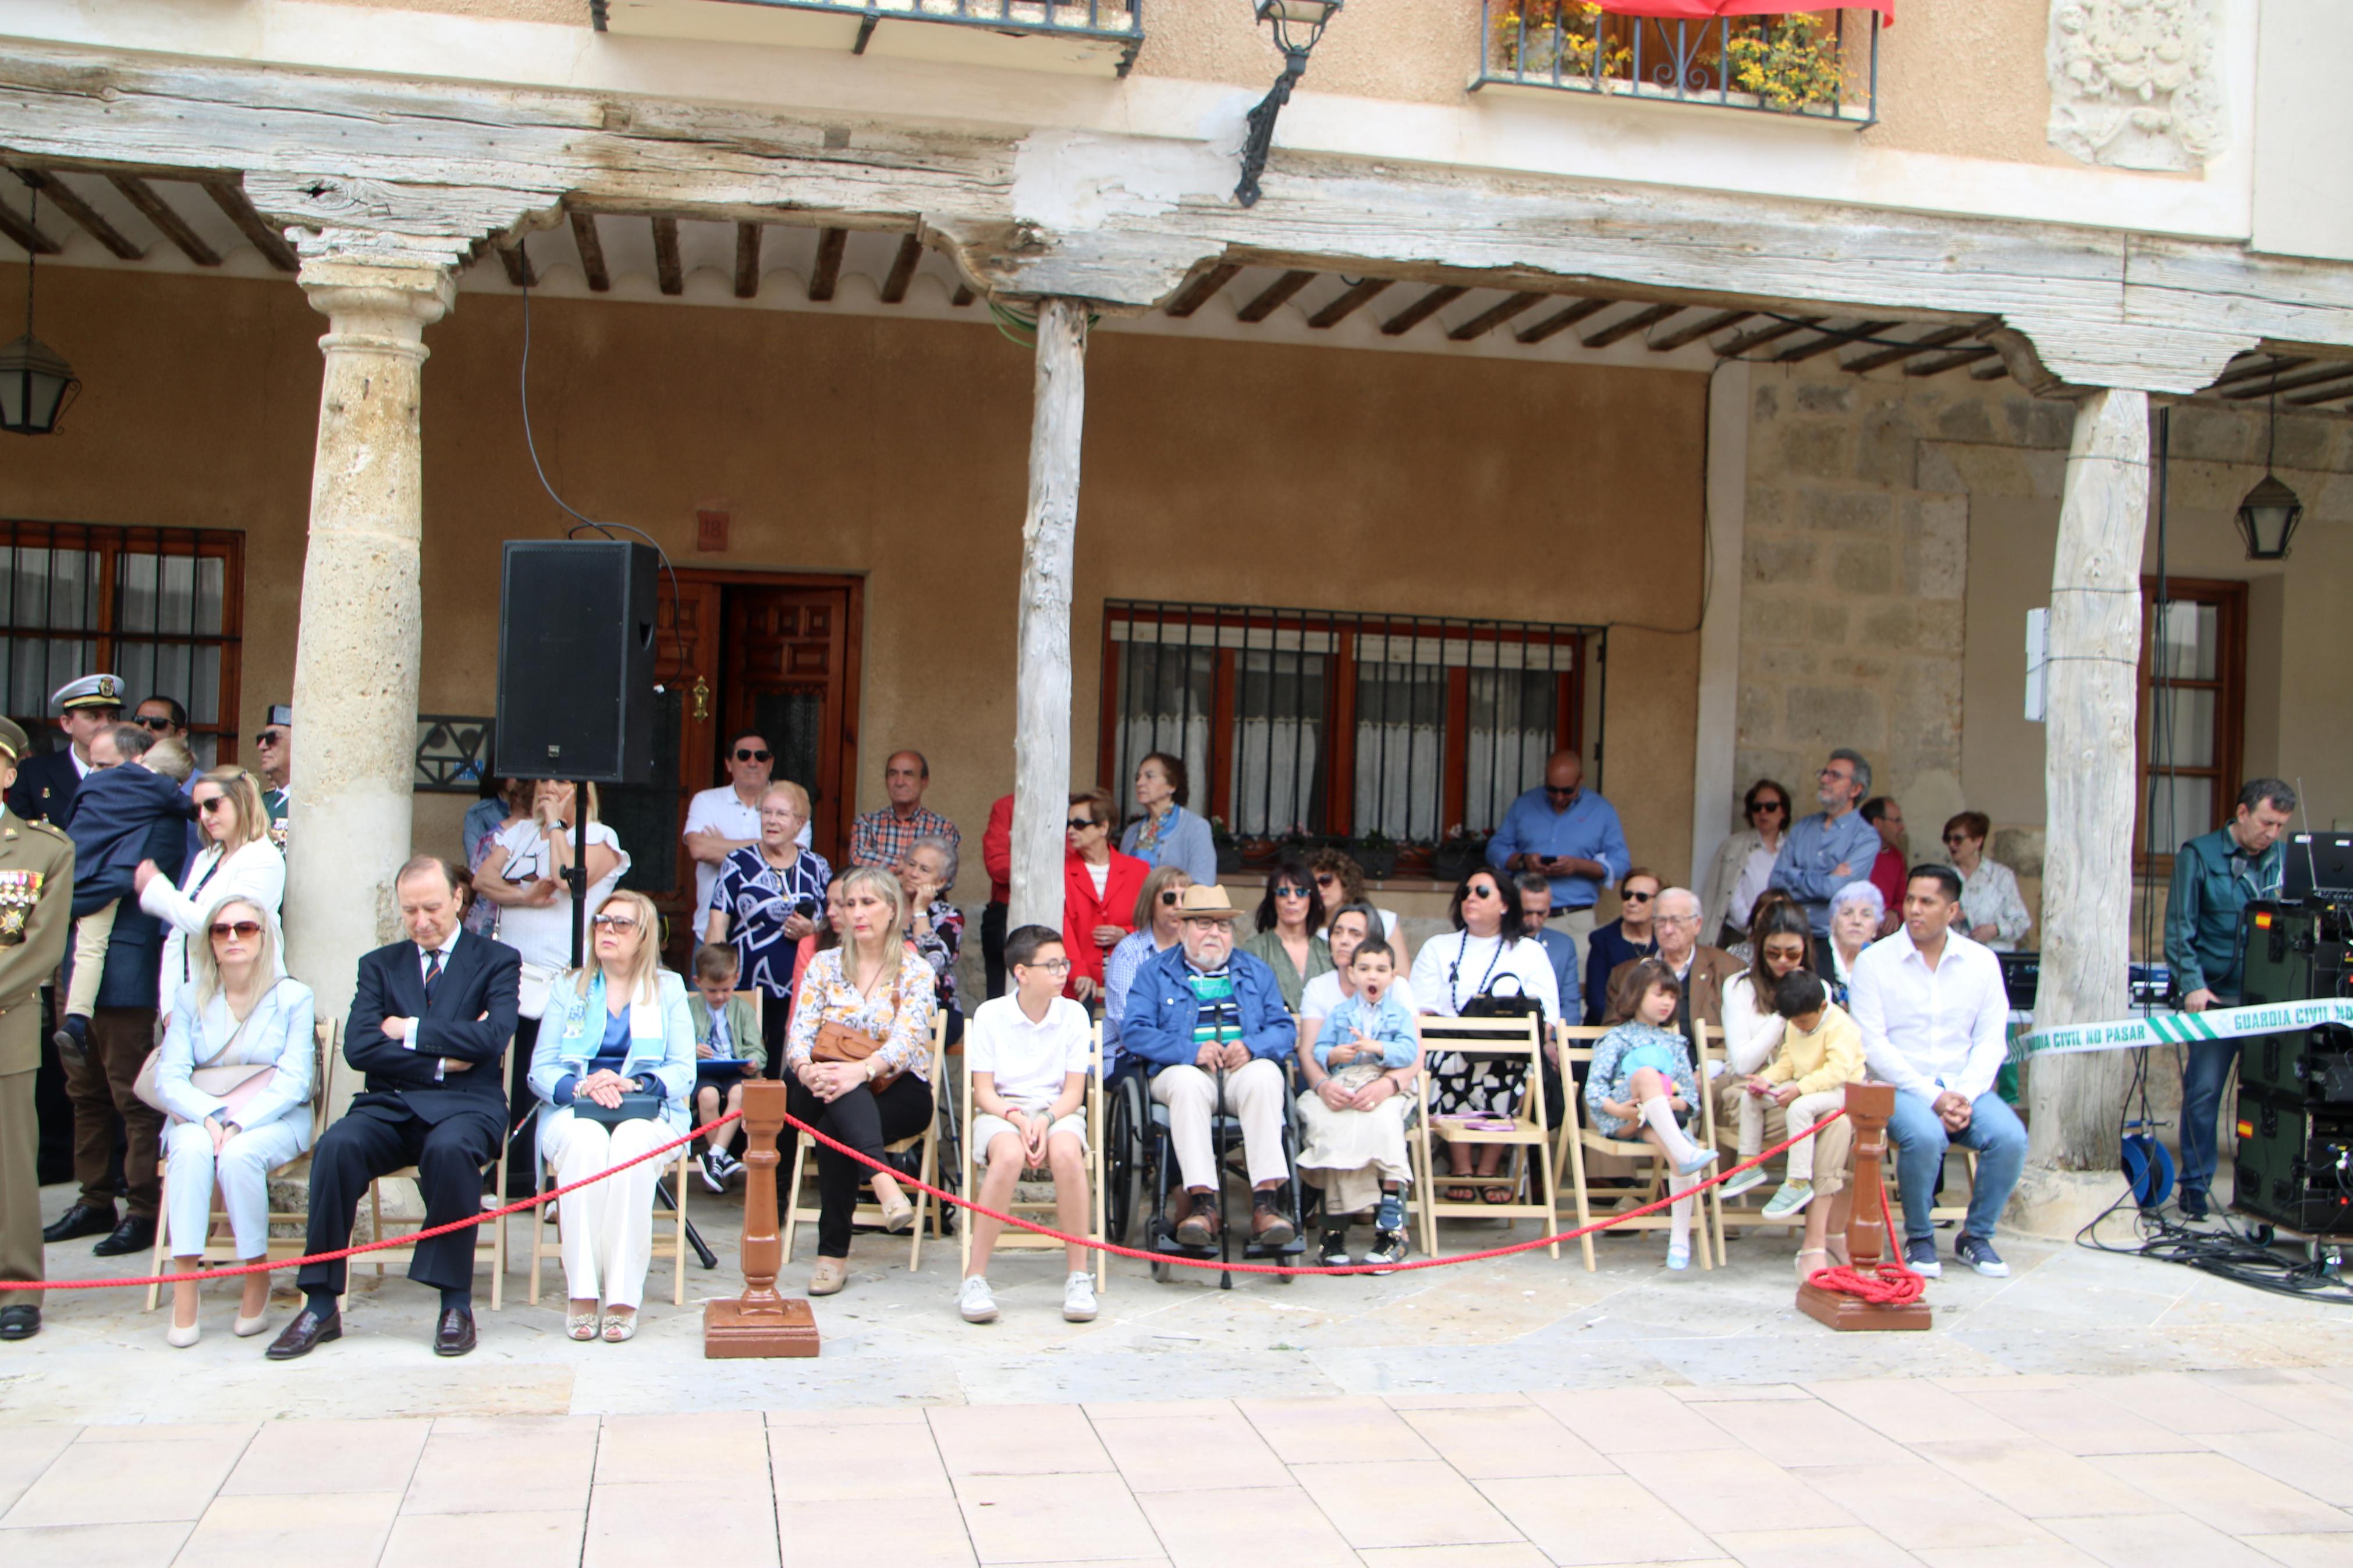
(235, 1011)
(616, 1029)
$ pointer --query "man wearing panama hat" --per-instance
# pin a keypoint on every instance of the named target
(1198, 1012)
(45, 786)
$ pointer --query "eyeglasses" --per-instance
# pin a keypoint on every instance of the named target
(615, 923)
(1556, 789)
(1840, 773)
(1079, 823)
(211, 801)
(1638, 898)
(153, 723)
(1956, 838)
(1051, 965)
(746, 755)
(1289, 891)
(269, 737)
(244, 930)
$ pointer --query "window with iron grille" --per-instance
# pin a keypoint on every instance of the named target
(1330, 723)
(162, 608)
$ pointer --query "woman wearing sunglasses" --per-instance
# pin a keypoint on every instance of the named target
(1632, 935)
(238, 862)
(1290, 919)
(1157, 930)
(235, 1073)
(1744, 868)
(1485, 955)
(612, 1068)
(1098, 889)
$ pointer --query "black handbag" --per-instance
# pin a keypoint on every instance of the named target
(637, 1105)
(1488, 1004)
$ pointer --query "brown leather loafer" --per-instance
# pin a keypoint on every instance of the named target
(305, 1333)
(456, 1334)
(1199, 1226)
(1270, 1227)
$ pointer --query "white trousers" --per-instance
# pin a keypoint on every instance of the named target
(608, 1226)
(1253, 1094)
(1802, 1113)
(242, 1171)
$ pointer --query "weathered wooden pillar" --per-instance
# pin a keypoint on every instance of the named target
(2094, 657)
(357, 646)
(1042, 737)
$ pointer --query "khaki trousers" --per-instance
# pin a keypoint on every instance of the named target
(1833, 1142)
(20, 1188)
(1253, 1095)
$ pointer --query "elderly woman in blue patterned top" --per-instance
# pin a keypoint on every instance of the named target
(873, 985)
(234, 1012)
(768, 896)
(617, 1027)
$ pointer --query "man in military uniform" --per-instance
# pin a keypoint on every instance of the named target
(36, 910)
(44, 790)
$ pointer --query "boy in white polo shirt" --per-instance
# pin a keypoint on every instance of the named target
(1028, 1051)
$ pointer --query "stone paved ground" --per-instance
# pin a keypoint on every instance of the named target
(2092, 1409)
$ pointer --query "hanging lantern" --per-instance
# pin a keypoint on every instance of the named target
(37, 385)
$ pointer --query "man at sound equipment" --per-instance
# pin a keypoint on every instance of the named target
(2215, 877)
(430, 1018)
(1935, 1017)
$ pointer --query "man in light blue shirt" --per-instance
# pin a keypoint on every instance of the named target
(1570, 835)
(1833, 846)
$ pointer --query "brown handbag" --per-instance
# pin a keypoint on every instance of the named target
(841, 1043)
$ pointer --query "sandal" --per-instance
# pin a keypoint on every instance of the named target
(1461, 1195)
(618, 1328)
(1811, 1260)
(1495, 1197)
(580, 1326)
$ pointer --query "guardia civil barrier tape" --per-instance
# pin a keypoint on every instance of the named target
(2182, 1028)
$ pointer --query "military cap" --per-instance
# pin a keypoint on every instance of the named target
(12, 742)
(90, 691)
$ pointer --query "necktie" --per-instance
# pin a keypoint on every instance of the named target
(432, 973)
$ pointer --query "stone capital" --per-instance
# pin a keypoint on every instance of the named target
(376, 307)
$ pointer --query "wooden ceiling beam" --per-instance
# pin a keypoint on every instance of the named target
(902, 270)
(229, 197)
(1421, 309)
(1494, 316)
(167, 222)
(592, 250)
(20, 229)
(668, 273)
(2261, 366)
(1993, 368)
(1692, 331)
(1921, 344)
(1358, 295)
(1274, 296)
(93, 223)
(826, 276)
(1202, 290)
(1641, 321)
(1757, 337)
(1940, 363)
(1832, 338)
(963, 296)
(1560, 321)
(517, 261)
(747, 260)
(2249, 391)
(2343, 388)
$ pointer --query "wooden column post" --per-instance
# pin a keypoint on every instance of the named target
(2095, 654)
(1041, 737)
(759, 1323)
(1868, 1106)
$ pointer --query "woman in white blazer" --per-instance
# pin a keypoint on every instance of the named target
(236, 1071)
(238, 862)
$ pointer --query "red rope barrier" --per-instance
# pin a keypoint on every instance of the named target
(409, 1239)
(1889, 1285)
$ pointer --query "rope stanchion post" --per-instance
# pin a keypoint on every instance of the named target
(1868, 1107)
(760, 1324)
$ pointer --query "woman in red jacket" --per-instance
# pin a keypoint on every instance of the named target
(1100, 887)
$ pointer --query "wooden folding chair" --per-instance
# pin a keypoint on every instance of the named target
(542, 1248)
(219, 1246)
(972, 1162)
(1580, 1138)
(1507, 1039)
(488, 1238)
(798, 1212)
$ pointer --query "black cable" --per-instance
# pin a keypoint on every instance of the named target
(676, 603)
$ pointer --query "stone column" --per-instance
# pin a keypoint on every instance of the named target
(2094, 658)
(357, 647)
(1042, 737)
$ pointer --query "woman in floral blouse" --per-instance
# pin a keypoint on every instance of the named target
(873, 985)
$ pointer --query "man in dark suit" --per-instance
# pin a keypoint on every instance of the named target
(44, 790)
(430, 1018)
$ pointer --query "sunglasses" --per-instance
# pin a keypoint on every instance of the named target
(615, 923)
(746, 755)
(1481, 891)
(1956, 838)
(211, 801)
(1638, 898)
(269, 737)
(1079, 823)
(1168, 897)
(244, 930)
(1772, 805)
(1556, 789)
(1289, 891)
(1325, 879)
(153, 723)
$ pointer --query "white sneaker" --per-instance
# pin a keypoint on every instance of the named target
(975, 1303)
(1741, 1182)
(1079, 1299)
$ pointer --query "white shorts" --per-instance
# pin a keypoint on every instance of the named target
(985, 1127)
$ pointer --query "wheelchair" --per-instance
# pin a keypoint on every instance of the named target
(1140, 1174)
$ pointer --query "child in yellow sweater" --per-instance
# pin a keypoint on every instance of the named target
(1821, 1054)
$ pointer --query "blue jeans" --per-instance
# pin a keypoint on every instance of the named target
(2203, 1074)
(1994, 1131)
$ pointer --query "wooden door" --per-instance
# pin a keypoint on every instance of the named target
(787, 671)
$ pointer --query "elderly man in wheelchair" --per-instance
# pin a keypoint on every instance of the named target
(1208, 1026)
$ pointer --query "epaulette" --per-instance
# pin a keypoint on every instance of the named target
(51, 828)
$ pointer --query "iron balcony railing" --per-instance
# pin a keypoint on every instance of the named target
(1810, 65)
(1107, 21)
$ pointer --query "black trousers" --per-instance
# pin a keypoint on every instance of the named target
(992, 948)
(865, 1123)
(775, 1018)
(373, 1140)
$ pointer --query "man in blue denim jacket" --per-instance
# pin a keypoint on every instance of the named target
(2215, 877)
(1199, 1013)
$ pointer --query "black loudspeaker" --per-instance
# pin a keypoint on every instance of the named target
(576, 661)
